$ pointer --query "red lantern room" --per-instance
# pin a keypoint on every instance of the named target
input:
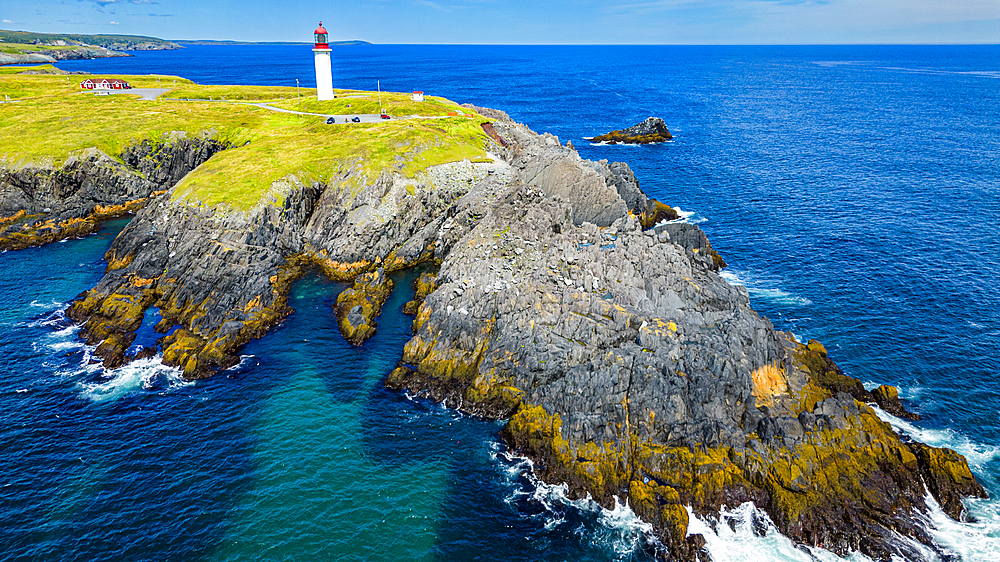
(320, 36)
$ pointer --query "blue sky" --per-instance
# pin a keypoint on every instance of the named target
(520, 21)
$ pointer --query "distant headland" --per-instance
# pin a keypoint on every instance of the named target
(212, 42)
(19, 47)
(25, 47)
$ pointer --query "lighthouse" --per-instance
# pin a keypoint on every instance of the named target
(324, 76)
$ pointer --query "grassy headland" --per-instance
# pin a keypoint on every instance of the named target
(29, 41)
(53, 119)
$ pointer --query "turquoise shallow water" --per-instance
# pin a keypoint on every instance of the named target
(855, 191)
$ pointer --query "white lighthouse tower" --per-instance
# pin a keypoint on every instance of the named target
(324, 75)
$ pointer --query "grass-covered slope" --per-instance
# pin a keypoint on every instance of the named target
(51, 119)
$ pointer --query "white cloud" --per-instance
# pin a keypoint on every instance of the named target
(8, 21)
(431, 4)
(114, 23)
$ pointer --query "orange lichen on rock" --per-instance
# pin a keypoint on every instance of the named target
(768, 381)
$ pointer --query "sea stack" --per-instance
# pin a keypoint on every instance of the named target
(650, 131)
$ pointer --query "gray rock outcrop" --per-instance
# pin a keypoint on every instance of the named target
(45, 203)
(628, 368)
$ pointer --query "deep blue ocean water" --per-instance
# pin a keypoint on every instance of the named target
(855, 191)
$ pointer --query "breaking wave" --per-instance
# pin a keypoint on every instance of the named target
(71, 358)
(617, 531)
(761, 290)
(149, 375)
(977, 454)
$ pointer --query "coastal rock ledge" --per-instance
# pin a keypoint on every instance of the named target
(627, 367)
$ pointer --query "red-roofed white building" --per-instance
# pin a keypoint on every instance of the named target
(105, 84)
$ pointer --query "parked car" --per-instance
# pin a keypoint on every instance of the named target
(356, 119)
(384, 116)
(331, 121)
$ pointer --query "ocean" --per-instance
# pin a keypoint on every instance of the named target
(854, 190)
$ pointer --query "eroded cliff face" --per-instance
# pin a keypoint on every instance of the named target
(40, 204)
(220, 277)
(626, 365)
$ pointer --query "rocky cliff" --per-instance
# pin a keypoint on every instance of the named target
(45, 203)
(626, 365)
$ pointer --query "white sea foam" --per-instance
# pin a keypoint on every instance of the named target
(689, 217)
(760, 290)
(746, 534)
(51, 305)
(969, 541)
(977, 454)
(620, 530)
(834, 63)
(64, 345)
(67, 332)
(977, 539)
(145, 374)
(934, 71)
(244, 360)
(54, 317)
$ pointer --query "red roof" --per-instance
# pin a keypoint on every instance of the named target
(320, 29)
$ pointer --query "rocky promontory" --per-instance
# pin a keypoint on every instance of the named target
(561, 298)
(20, 47)
(650, 131)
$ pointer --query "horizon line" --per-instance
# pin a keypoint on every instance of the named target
(362, 41)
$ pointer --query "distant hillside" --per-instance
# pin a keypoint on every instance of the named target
(111, 42)
(211, 42)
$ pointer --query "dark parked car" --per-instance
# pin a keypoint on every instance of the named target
(356, 119)
(331, 121)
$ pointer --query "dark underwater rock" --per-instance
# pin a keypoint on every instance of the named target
(652, 130)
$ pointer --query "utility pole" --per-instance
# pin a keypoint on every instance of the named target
(297, 96)
(379, 86)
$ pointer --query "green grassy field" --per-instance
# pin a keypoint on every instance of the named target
(351, 101)
(53, 119)
(20, 48)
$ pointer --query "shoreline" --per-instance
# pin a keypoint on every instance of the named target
(558, 249)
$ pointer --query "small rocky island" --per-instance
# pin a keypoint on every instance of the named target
(650, 131)
(561, 298)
